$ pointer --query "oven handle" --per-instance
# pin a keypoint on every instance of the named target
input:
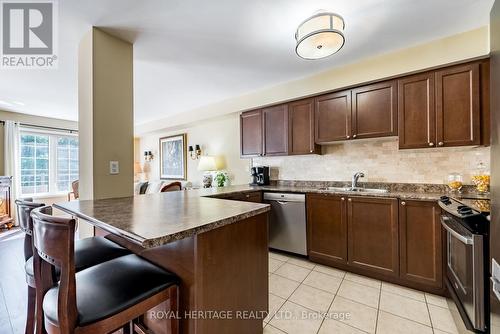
(465, 239)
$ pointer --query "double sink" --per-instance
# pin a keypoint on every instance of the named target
(355, 189)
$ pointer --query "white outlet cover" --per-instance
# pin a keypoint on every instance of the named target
(114, 167)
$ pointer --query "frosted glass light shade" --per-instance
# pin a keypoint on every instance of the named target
(207, 163)
(320, 36)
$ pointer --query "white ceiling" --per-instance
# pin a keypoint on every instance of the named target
(190, 53)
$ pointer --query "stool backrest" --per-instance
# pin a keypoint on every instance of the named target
(24, 208)
(174, 186)
(54, 242)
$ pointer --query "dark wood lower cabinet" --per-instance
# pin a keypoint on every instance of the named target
(373, 234)
(421, 255)
(253, 196)
(384, 238)
(327, 228)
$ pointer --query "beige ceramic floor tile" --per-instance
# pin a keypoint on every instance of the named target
(278, 256)
(274, 264)
(323, 282)
(281, 286)
(295, 319)
(312, 298)
(302, 262)
(272, 330)
(292, 272)
(360, 316)
(359, 293)
(330, 271)
(403, 291)
(391, 324)
(275, 303)
(363, 280)
(442, 319)
(405, 307)
(331, 326)
(436, 300)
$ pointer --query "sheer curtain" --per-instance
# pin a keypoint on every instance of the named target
(11, 153)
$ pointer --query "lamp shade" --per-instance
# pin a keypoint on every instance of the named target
(320, 36)
(207, 163)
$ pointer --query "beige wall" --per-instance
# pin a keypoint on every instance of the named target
(105, 115)
(380, 160)
(467, 45)
(217, 137)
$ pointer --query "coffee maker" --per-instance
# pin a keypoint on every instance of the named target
(260, 176)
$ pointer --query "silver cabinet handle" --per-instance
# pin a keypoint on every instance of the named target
(354, 136)
(431, 144)
(349, 200)
(348, 136)
(440, 143)
(311, 151)
(464, 239)
(342, 198)
(403, 203)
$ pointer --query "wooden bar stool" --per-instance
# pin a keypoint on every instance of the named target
(88, 252)
(173, 186)
(99, 299)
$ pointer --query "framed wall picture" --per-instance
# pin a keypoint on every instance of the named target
(173, 163)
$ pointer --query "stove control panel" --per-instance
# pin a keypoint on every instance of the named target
(457, 208)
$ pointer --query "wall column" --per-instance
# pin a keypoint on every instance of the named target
(105, 116)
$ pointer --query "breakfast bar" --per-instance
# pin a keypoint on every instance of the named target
(219, 249)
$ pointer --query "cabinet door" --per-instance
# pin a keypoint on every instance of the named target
(373, 234)
(458, 106)
(417, 117)
(374, 110)
(420, 243)
(301, 128)
(275, 130)
(251, 133)
(327, 228)
(333, 117)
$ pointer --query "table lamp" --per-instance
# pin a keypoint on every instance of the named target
(207, 164)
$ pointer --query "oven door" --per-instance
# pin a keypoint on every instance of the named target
(465, 269)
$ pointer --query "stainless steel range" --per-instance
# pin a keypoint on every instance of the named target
(467, 256)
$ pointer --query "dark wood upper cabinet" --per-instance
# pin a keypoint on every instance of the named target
(333, 117)
(374, 110)
(301, 128)
(327, 228)
(421, 257)
(373, 243)
(275, 130)
(458, 118)
(417, 116)
(251, 133)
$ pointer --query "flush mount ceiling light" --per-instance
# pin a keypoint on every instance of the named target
(320, 36)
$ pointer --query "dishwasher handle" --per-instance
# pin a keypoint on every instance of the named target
(284, 197)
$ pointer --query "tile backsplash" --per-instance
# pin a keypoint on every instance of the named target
(380, 160)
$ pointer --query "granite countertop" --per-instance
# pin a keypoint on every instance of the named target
(419, 193)
(156, 219)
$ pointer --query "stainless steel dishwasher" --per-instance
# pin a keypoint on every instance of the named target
(287, 222)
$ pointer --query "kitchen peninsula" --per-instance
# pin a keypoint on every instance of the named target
(204, 241)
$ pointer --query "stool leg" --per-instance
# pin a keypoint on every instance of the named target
(30, 314)
(174, 308)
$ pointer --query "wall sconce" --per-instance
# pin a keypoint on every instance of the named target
(148, 156)
(194, 153)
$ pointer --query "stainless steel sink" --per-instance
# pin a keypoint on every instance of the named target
(359, 190)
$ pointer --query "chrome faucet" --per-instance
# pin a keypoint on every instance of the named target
(355, 179)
